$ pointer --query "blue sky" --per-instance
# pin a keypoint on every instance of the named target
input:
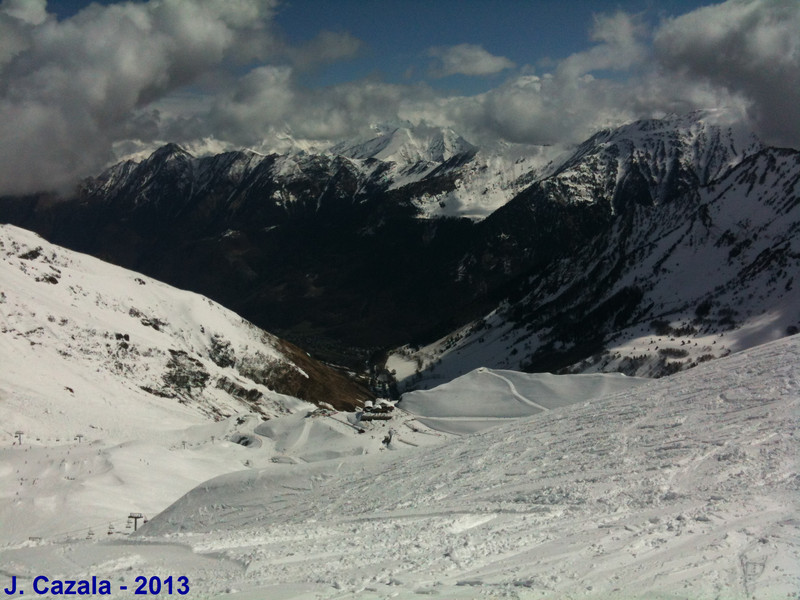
(82, 84)
(397, 35)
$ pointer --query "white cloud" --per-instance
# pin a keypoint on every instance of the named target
(68, 89)
(268, 101)
(32, 12)
(17, 19)
(466, 59)
(748, 47)
(538, 110)
(619, 47)
(262, 98)
(127, 75)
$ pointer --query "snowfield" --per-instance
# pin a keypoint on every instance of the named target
(683, 487)
(78, 334)
(124, 392)
(484, 398)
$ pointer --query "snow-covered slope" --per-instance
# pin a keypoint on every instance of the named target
(685, 487)
(493, 177)
(119, 393)
(70, 319)
(485, 398)
(82, 333)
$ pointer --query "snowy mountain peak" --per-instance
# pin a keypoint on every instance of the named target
(169, 152)
(655, 160)
(407, 145)
(708, 141)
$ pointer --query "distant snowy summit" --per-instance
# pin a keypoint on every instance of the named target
(406, 144)
(394, 157)
(662, 158)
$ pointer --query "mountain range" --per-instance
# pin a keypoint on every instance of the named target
(633, 251)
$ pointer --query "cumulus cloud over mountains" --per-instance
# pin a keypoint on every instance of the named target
(132, 74)
(750, 48)
(70, 88)
(466, 59)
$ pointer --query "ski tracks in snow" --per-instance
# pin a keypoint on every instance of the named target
(514, 392)
(686, 488)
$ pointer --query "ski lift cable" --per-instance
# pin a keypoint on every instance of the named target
(71, 532)
(82, 529)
